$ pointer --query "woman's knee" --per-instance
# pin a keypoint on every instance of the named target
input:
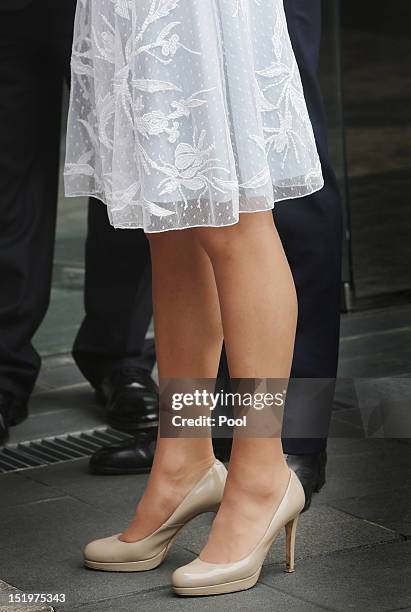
(172, 243)
(226, 241)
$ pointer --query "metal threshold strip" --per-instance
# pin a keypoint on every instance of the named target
(57, 449)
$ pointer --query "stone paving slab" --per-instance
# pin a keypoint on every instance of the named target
(375, 365)
(54, 412)
(358, 474)
(359, 323)
(48, 514)
(346, 424)
(392, 510)
(353, 417)
(260, 598)
(56, 335)
(320, 531)
(5, 606)
(45, 553)
(58, 371)
(338, 447)
(79, 398)
(374, 579)
(124, 491)
(96, 506)
(378, 408)
(116, 495)
(385, 341)
(17, 489)
(60, 378)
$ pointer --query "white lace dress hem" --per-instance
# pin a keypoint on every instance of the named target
(187, 113)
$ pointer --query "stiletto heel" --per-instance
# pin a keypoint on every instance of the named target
(203, 578)
(113, 555)
(290, 533)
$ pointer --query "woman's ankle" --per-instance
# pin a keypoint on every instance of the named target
(258, 481)
(177, 466)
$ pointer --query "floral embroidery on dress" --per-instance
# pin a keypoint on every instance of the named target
(187, 112)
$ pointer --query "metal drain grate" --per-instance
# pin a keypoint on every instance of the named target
(57, 449)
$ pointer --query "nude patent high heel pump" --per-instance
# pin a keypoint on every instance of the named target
(202, 578)
(113, 555)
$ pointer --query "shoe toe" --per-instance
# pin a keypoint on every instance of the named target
(102, 457)
(194, 574)
(182, 576)
(101, 550)
(106, 459)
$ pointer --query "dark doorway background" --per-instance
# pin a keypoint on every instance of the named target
(365, 76)
(376, 61)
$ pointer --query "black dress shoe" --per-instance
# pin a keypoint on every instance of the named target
(129, 457)
(130, 396)
(310, 469)
(12, 412)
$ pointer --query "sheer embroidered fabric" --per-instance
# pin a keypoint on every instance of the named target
(186, 113)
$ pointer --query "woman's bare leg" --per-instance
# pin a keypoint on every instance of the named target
(188, 344)
(258, 305)
(259, 313)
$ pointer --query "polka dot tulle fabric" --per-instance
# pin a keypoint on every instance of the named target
(186, 113)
